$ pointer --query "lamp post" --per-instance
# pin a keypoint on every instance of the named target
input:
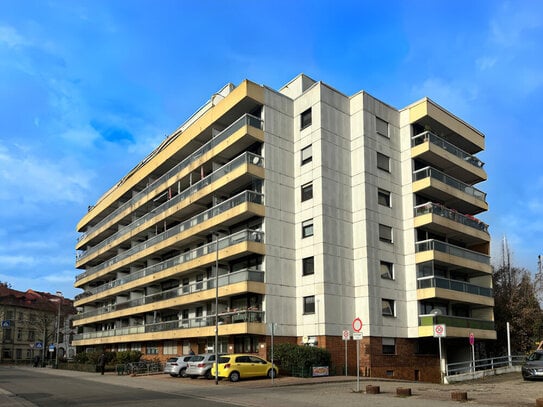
(60, 297)
(216, 307)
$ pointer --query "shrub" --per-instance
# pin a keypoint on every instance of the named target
(293, 356)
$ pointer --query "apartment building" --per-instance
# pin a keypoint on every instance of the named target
(302, 209)
(34, 324)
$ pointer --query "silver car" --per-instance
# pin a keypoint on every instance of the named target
(200, 365)
(533, 366)
(177, 366)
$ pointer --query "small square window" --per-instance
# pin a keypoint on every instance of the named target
(308, 266)
(383, 197)
(307, 191)
(387, 270)
(389, 346)
(307, 154)
(381, 126)
(305, 119)
(307, 228)
(383, 162)
(385, 233)
(388, 308)
(309, 304)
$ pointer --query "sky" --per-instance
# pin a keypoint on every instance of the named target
(89, 88)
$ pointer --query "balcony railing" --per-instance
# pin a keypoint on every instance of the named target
(224, 280)
(456, 322)
(245, 158)
(455, 285)
(448, 180)
(246, 196)
(245, 120)
(444, 212)
(247, 235)
(432, 244)
(197, 322)
(445, 145)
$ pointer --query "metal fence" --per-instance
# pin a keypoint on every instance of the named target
(483, 364)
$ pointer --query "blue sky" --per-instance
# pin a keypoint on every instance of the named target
(88, 88)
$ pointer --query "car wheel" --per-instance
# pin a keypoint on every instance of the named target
(271, 373)
(234, 377)
(207, 374)
(183, 373)
(193, 377)
(173, 375)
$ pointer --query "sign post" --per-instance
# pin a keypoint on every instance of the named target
(346, 336)
(440, 331)
(472, 343)
(357, 335)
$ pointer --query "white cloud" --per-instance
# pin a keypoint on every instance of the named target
(10, 37)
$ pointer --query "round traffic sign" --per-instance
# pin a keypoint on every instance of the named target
(471, 339)
(357, 324)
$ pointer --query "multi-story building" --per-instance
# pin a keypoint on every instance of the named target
(34, 324)
(316, 208)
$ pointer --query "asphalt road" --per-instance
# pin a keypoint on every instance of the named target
(28, 387)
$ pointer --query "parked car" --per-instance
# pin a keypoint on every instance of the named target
(177, 366)
(200, 365)
(533, 366)
(241, 366)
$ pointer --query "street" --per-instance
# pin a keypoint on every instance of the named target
(29, 387)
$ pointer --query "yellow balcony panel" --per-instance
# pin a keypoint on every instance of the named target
(429, 114)
(238, 141)
(238, 213)
(455, 332)
(454, 227)
(251, 328)
(235, 250)
(181, 300)
(243, 96)
(461, 199)
(456, 296)
(457, 327)
(451, 161)
(434, 250)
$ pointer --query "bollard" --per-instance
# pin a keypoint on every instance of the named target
(403, 391)
(539, 402)
(372, 389)
(459, 395)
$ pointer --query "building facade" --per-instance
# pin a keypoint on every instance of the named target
(303, 208)
(34, 324)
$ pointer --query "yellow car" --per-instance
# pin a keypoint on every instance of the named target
(240, 366)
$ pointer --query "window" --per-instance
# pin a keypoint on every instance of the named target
(307, 191)
(309, 304)
(389, 346)
(387, 270)
(307, 154)
(307, 228)
(385, 233)
(305, 119)
(308, 266)
(381, 126)
(383, 162)
(170, 348)
(388, 307)
(151, 349)
(383, 197)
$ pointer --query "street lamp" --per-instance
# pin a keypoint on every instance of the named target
(216, 307)
(60, 297)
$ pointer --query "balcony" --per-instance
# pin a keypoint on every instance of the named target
(224, 280)
(243, 197)
(454, 285)
(435, 250)
(437, 185)
(247, 235)
(440, 153)
(225, 318)
(246, 120)
(456, 322)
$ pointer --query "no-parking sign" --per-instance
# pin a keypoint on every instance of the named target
(440, 331)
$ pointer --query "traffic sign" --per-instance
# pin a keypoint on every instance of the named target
(471, 339)
(6, 323)
(440, 331)
(357, 336)
(346, 335)
(38, 345)
(357, 324)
